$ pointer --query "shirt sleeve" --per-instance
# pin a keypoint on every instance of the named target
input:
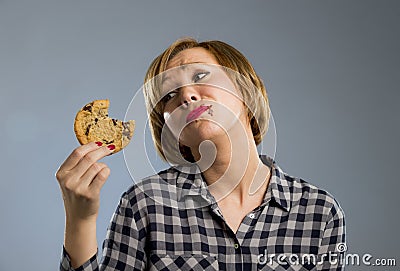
(123, 248)
(333, 244)
(90, 265)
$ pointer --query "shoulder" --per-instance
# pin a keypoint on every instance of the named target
(302, 196)
(312, 199)
(152, 190)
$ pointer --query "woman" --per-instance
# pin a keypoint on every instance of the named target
(221, 206)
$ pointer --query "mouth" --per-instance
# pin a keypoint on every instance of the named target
(195, 113)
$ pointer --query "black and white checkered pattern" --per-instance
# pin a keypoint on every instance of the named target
(170, 221)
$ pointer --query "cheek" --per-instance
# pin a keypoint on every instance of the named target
(169, 107)
(232, 102)
(174, 121)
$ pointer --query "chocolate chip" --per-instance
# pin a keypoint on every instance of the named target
(114, 121)
(88, 107)
(87, 130)
(108, 142)
(96, 120)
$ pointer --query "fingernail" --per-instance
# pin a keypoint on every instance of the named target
(111, 147)
(99, 143)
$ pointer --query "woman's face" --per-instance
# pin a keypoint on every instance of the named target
(201, 102)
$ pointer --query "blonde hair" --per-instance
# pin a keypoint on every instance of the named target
(226, 56)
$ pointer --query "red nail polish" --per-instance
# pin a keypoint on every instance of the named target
(99, 143)
(111, 147)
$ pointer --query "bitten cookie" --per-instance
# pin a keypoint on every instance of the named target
(92, 124)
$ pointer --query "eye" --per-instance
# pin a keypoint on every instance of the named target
(200, 75)
(169, 96)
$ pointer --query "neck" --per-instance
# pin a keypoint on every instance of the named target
(236, 171)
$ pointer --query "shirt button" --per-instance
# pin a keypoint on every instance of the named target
(236, 246)
(252, 215)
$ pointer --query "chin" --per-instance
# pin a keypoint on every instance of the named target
(198, 131)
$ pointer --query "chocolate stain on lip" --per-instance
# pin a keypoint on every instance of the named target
(210, 111)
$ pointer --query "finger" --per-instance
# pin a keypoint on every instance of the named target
(74, 158)
(91, 173)
(89, 159)
(100, 179)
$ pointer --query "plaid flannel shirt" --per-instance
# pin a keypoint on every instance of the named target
(170, 221)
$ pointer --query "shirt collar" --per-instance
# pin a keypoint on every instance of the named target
(279, 189)
(191, 183)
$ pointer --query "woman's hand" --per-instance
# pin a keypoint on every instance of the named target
(81, 178)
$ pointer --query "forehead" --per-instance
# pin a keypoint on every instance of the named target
(192, 55)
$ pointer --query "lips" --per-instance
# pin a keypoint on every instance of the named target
(195, 113)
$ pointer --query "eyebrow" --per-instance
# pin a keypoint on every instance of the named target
(182, 67)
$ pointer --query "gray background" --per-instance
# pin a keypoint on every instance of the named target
(331, 69)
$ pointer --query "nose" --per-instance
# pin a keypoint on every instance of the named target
(189, 95)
